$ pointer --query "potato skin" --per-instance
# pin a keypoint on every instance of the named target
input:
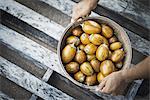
(90, 57)
(77, 31)
(68, 53)
(117, 55)
(72, 67)
(119, 65)
(100, 76)
(90, 48)
(73, 40)
(107, 67)
(95, 65)
(96, 39)
(84, 38)
(80, 57)
(107, 31)
(102, 52)
(113, 39)
(91, 27)
(86, 68)
(79, 76)
(115, 45)
(90, 80)
(81, 46)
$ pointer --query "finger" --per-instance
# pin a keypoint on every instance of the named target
(106, 90)
(101, 85)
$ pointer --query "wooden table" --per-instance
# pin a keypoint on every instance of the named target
(29, 34)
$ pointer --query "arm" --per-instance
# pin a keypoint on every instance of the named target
(116, 82)
(83, 9)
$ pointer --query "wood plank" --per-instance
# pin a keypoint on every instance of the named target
(137, 42)
(30, 48)
(17, 57)
(12, 90)
(25, 79)
(3, 96)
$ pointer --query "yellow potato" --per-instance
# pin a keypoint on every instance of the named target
(102, 52)
(80, 57)
(79, 76)
(90, 48)
(96, 39)
(86, 68)
(90, 57)
(110, 54)
(100, 76)
(117, 55)
(72, 67)
(115, 45)
(73, 40)
(107, 67)
(85, 38)
(68, 53)
(90, 80)
(81, 46)
(113, 39)
(119, 64)
(77, 31)
(107, 31)
(91, 27)
(95, 65)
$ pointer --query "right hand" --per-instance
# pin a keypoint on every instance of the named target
(83, 9)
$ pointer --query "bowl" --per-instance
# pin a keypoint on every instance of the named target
(121, 35)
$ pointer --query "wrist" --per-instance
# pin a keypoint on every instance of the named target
(125, 75)
(92, 3)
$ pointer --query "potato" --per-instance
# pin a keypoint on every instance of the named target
(85, 38)
(79, 76)
(91, 27)
(107, 67)
(117, 55)
(90, 57)
(113, 39)
(115, 45)
(80, 56)
(72, 67)
(86, 68)
(90, 80)
(73, 40)
(68, 53)
(100, 76)
(105, 41)
(107, 31)
(95, 65)
(77, 31)
(119, 65)
(90, 48)
(81, 46)
(102, 52)
(96, 39)
(110, 54)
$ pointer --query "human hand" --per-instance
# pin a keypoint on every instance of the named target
(83, 8)
(114, 84)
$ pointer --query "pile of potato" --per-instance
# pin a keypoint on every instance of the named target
(92, 52)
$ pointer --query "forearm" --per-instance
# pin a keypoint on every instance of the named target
(139, 71)
(91, 3)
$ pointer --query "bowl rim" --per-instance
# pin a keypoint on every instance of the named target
(128, 62)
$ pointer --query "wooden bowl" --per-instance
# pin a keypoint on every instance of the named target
(121, 35)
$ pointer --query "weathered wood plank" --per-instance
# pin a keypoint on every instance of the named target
(30, 48)
(25, 79)
(4, 96)
(17, 57)
(13, 90)
(137, 42)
